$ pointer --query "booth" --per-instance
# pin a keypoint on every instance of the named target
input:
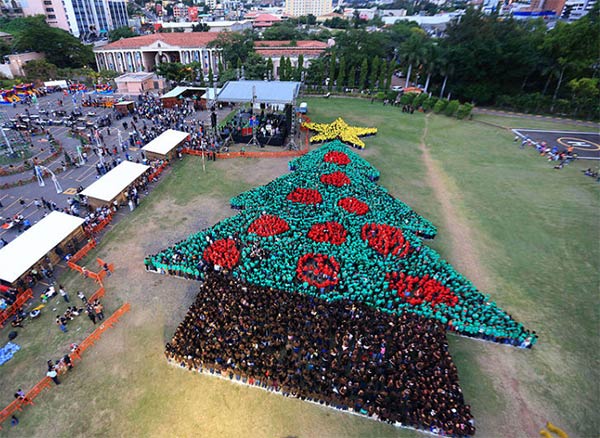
(180, 95)
(135, 84)
(112, 186)
(50, 237)
(125, 107)
(165, 145)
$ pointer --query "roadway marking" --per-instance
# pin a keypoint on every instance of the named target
(579, 143)
(70, 191)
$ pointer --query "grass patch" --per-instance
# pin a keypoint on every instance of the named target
(537, 235)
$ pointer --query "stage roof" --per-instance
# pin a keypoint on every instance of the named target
(275, 92)
(165, 142)
(115, 181)
(21, 254)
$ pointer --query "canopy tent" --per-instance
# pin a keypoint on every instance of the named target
(21, 254)
(272, 92)
(163, 145)
(111, 185)
(54, 84)
(173, 97)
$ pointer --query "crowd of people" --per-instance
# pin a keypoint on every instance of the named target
(559, 156)
(363, 261)
(341, 354)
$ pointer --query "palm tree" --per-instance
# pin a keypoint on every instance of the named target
(413, 52)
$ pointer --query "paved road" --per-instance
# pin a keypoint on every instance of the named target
(19, 200)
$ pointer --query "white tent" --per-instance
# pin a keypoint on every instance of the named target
(116, 181)
(21, 254)
(166, 142)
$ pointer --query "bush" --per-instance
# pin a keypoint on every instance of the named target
(408, 98)
(464, 111)
(451, 108)
(419, 100)
(380, 95)
(429, 103)
(440, 106)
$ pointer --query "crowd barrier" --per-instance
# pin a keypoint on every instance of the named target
(157, 172)
(97, 276)
(22, 298)
(92, 231)
(227, 155)
(83, 251)
(46, 382)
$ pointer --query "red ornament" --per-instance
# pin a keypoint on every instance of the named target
(319, 270)
(336, 157)
(418, 290)
(222, 252)
(353, 205)
(329, 232)
(305, 196)
(268, 225)
(385, 239)
(337, 179)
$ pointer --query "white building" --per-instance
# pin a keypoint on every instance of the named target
(575, 9)
(144, 52)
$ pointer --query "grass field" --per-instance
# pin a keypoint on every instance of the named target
(521, 231)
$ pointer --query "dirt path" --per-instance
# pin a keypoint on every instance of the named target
(518, 418)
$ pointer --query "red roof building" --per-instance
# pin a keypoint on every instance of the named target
(309, 49)
(142, 53)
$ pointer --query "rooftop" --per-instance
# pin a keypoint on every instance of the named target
(189, 39)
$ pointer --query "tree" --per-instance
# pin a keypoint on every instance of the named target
(341, 78)
(331, 76)
(374, 73)
(585, 95)
(352, 77)
(234, 45)
(282, 74)
(60, 47)
(255, 67)
(299, 68)
(120, 33)
(211, 77)
(382, 75)
(364, 69)
(283, 32)
(413, 51)
(40, 70)
(173, 71)
(200, 27)
(270, 68)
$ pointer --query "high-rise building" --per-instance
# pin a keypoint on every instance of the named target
(575, 9)
(83, 18)
(297, 8)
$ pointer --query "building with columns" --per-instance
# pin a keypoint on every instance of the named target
(143, 53)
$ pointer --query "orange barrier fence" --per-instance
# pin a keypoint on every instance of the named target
(91, 231)
(157, 172)
(17, 405)
(83, 251)
(22, 298)
(98, 294)
(95, 335)
(226, 155)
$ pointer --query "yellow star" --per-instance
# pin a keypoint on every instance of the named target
(339, 129)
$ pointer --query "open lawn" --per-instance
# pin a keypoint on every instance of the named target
(521, 231)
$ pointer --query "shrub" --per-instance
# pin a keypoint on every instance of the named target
(440, 106)
(464, 111)
(419, 100)
(429, 103)
(408, 98)
(451, 108)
